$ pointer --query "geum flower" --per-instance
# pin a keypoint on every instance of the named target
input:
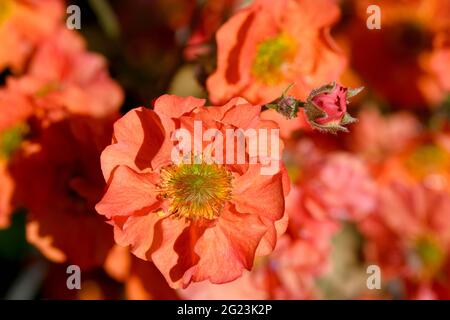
(325, 108)
(408, 236)
(269, 45)
(339, 186)
(58, 180)
(300, 257)
(198, 221)
(63, 78)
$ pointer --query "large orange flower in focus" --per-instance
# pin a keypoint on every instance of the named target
(195, 222)
(24, 24)
(59, 180)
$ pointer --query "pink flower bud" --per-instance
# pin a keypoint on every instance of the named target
(333, 104)
(326, 107)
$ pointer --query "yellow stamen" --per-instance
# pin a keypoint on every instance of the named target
(196, 190)
(11, 139)
(430, 256)
(272, 55)
(6, 9)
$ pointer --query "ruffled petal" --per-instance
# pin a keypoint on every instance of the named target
(138, 136)
(129, 192)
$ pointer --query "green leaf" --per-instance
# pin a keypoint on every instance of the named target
(351, 92)
(348, 119)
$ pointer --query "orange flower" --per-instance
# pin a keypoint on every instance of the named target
(409, 236)
(301, 256)
(63, 78)
(58, 179)
(270, 45)
(339, 186)
(376, 137)
(194, 221)
(440, 60)
(23, 25)
(426, 161)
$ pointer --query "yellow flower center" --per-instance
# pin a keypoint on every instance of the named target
(11, 139)
(273, 57)
(196, 190)
(429, 162)
(430, 256)
(6, 8)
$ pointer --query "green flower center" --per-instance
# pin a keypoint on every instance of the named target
(428, 159)
(430, 255)
(271, 57)
(11, 139)
(196, 190)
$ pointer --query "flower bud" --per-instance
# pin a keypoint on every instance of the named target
(326, 107)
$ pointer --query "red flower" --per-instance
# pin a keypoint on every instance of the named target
(271, 44)
(59, 180)
(193, 221)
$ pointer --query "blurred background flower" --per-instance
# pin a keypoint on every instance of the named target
(377, 195)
